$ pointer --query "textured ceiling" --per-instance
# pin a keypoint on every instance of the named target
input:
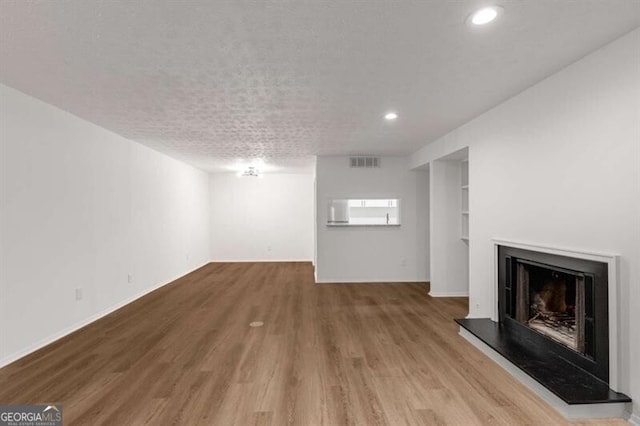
(216, 82)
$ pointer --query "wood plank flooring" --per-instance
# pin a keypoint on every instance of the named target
(329, 354)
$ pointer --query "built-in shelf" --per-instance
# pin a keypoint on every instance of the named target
(464, 193)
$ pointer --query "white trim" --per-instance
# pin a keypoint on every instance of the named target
(84, 322)
(355, 225)
(494, 287)
(562, 251)
(577, 411)
(449, 294)
(612, 267)
(261, 260)
(364, 281)
(634, 419)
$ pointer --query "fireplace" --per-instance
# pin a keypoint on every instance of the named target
(555, 325)
(560, 303)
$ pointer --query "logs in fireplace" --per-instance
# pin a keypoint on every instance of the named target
(552, 302)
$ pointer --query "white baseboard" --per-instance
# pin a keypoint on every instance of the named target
(634, 419)
(572, 412)
(449, 294)
(356, 281)
(261, 260)
(83, 323)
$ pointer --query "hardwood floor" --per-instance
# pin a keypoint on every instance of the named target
(329, 354)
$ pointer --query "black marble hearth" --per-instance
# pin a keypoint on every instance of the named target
(570, 383)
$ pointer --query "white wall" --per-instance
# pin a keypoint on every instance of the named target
(261, 219)
(81, 207)
(370, 254)
(450, 260)
(559, 165)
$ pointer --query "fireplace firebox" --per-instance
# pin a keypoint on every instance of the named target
(559, 303)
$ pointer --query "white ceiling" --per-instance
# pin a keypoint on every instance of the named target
(214, 82)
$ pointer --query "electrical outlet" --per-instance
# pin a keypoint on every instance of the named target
(403, 262)
(268, 248)
(129, 278)
(78, 293)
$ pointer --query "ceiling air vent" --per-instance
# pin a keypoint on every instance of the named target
(362, 162)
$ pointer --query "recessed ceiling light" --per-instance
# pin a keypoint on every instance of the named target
(485, 15)
(391, 116)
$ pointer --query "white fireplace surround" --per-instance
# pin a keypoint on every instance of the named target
(612, 267)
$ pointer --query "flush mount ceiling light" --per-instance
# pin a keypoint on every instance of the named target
(252, 168)
(485, 15)
(251, 172)
(390, 116)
